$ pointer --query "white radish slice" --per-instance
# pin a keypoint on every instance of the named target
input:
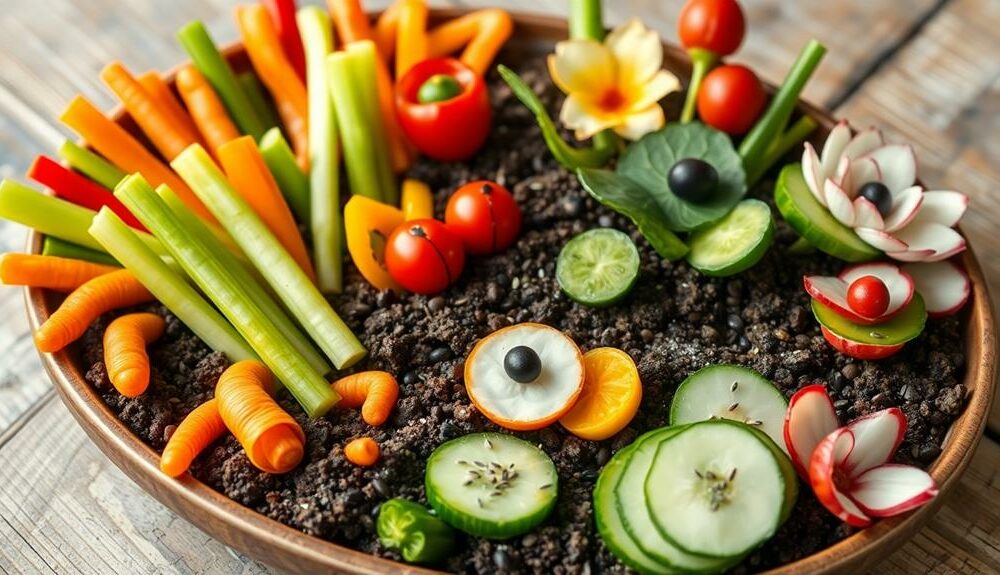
(876, 436)
(834, 146)
(867, 215)
(857, 349)
(881, 240)
(810, 418)
(898, 282)
(839, 203)
(892, 489)
(942, 207)
(812, 173)
(944, 286)
(898, 164)
(863, 171)
(864, 142)
(824, 470)
(945, 241)
(905, 206)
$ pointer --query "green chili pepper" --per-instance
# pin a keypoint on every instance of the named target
(410, 528)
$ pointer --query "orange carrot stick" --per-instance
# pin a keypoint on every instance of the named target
(206, 108)
(273, 68)
(482, 33)
(246, 170)
(201, 428)
(48, 272)
(385, 31)
(125, 356)
(375, 392)
(169, 137)
(362, 451)
(98, 296)
(411, 43)
(165, 99)
(119, 147)
(272, 439)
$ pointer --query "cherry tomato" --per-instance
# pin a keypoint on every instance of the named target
(731, 99)
(485, 216)
(451, 129)
(868, 296)
(423, 256)
(713, 25)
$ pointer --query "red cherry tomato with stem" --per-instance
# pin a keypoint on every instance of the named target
(485, 216)
(868, 296)
(423, 256)
(709, 29)
(731, 99)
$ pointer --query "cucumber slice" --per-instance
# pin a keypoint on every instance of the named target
(460, 484)
(734, 243)
(787, 469)
(814, 222)
(731, 392)
(903, 327)
(697, 500)
(598, 267)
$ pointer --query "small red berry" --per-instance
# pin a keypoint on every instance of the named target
(868, 296)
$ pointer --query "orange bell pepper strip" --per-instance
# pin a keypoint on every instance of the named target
(411, 37)
(368, 224)
(164, 97)
(482, 33)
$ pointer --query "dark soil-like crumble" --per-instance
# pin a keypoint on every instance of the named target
(674, 322)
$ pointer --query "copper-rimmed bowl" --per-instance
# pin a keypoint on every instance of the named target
(290, 550)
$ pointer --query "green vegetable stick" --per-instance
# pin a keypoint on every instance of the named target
(291, 284)
(410, 528)
(206, 57)
(585, 20)
(255, 93)
(779, 147)
(91, 165)
(292, 182)
(62, 249)
(203, 265)
(168, 286)
(364, 58)
(356, 132)
(327, 221)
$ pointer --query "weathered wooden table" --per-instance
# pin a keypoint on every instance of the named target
(927, 71)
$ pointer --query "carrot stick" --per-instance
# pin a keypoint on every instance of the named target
(98, 296)
(73, 187)
(125, 356)
(206, 108)
(375, 392)
(249, 175)
(165, 99)
(482, 32)
(118, 146)
(362, 451)
(197, 431)
(276, 72)
(169, 137)
(272, 439)
(411, 42)
(385, 31)
(48, 272)
(283, 14)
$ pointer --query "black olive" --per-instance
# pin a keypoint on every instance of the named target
(693, 180)
(878, 194)
(522, 364)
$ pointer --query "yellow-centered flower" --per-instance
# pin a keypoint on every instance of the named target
(615, 85)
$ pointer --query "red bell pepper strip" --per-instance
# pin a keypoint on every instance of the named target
(283, 14)
(73, 187)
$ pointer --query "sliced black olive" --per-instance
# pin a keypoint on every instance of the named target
(693, 180)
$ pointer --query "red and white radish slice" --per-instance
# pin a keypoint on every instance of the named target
(944, 286)
(857, 349)
(876, 437)
(825, 474)
(892, 489)
(832, 291)
(810, 418)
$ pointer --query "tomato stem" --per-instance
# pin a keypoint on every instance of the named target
(702, 61)
(586, 20)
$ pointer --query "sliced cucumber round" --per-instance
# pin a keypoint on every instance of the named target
(904, 326)
(491, 485)
(734, 243)
(716, 489)
(731, 392)
(787, 469)
(598, 267)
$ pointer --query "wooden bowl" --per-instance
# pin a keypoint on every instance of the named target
(290, 550)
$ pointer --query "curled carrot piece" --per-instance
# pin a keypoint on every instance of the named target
(272, 439)
(482, 33)
(362, 451)
(48, 272)
(210, 115)
(125, 357)
(165, 99)
(201, 428)
(375, 392)
(98, 296)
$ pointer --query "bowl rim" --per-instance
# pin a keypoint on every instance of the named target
(261, 537)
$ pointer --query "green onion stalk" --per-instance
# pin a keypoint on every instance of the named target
(292, 181)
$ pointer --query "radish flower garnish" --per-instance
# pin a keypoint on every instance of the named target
(870, 187)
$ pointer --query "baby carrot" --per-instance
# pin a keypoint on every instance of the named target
(375, 391)
(169, 137)
(98, 296)
(125, 357)
(73, 187)
(48, 272)
(118, 146)
(482, 32)
(411, 41)
(362, 451)
(272, 439)
(247, 172)
(385, 31)
(283, 14)
(164, 97)
(268, 59)
(197, 431)
(206, 108)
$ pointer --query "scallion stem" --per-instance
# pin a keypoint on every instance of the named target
(799, 131)
(292, 181)
(62, 249)
(91, 165)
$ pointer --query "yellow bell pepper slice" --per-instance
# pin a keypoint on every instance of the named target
(368, 224)
(417, 200)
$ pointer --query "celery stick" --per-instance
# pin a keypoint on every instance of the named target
(91, 165)
(291, 179)
(63, 249)
(360, 152)
(247, 280)
(364, 57)
(203, 265)
(326, 222)
(169, 287)
(255, 93)
(206, 57)
(299, 295)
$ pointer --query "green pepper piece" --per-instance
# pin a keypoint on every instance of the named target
(410, 529)
(438, 88)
